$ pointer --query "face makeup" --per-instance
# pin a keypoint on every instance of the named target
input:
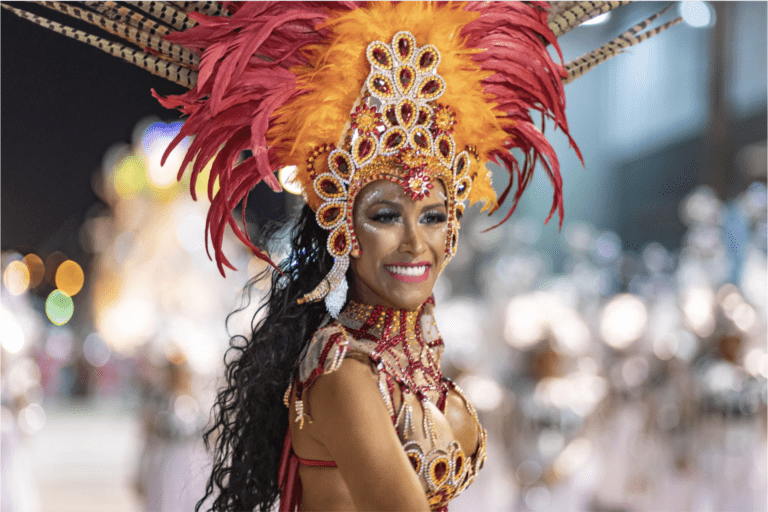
(402, 244)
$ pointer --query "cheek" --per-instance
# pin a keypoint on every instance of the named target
(437, 239)
(375, 239)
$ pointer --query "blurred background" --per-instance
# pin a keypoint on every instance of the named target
(619, 364)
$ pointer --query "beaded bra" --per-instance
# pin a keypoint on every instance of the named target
(406, 348)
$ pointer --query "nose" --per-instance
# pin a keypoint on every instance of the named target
(413, 238)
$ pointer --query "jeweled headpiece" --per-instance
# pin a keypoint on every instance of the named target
(398, 132)
(351, 92)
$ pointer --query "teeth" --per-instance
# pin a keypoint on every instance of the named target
(408, 271)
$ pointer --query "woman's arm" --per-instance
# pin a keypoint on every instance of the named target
(352, 422)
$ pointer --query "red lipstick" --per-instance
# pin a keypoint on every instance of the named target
(393, 269)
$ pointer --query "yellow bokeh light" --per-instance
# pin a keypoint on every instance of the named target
(130, 176)
(36, 269)
(69, 278)
(16, 278)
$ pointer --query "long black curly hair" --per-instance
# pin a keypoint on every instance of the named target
(249, 418)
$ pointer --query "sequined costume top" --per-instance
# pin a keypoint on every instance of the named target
(406, 349)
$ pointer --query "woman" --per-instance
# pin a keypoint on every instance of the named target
(390, 113)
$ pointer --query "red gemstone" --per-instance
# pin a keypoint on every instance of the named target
(420, 139)
(459, 463)
(414, 461)
(445, 148)
(380, 56)
(404, 47)
(365, 148)
(381, 85)
(329, 187)
(340, 242)
(331, 214)
(406, 77)
(431, 87)
(440, 469)
(393, 140)
(423, 117)
(407, 112)
(341, 165)
(426, 60)
(391, 117)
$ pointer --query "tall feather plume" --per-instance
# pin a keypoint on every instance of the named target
(556, 8)
(631, 37)
(568, 19)
(513, 37)
(155, 43)
(172, 71)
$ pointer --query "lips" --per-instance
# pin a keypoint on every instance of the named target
(409, 272)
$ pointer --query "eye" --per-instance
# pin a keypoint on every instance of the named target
(386, 216)
(433, 217)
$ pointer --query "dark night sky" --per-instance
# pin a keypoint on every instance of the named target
(63, 104)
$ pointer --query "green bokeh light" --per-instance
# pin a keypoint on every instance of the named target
(59, 307)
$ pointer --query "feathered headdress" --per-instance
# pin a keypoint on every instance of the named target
(350, 91)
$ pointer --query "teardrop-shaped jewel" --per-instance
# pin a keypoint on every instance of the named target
(394, 140)
(364, 148)
(426, 60)
(424, 116)
(338, 241)
(389, 113)
(340, 163)
(329, 215)
(461, 164)
(406, 113)
(328, 186)
(445, 147)
(380, 86)
(430, 87)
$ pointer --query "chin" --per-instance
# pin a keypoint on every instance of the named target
(410, 301)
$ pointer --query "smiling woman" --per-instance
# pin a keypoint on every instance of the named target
(390, 113)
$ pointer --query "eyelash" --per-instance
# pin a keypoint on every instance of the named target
(389, 216)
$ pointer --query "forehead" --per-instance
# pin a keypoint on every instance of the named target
(385, 190)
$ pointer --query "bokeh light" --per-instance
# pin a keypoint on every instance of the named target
(59, 307)
(697, 13)
(16, 277)
(287, 175)
(96, 350)
(623, 320)
(129, 176)
(485, 394)
(36, 269)
(31, 418)
(69, 278)
(155, 140)
(698, 305)
(12, 336)
(60, 343)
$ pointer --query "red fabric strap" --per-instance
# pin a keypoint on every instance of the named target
(316, 463)
(288, 475)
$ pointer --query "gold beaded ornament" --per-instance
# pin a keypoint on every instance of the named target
(397, 132)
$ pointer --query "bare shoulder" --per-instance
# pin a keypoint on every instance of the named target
(352, 422)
